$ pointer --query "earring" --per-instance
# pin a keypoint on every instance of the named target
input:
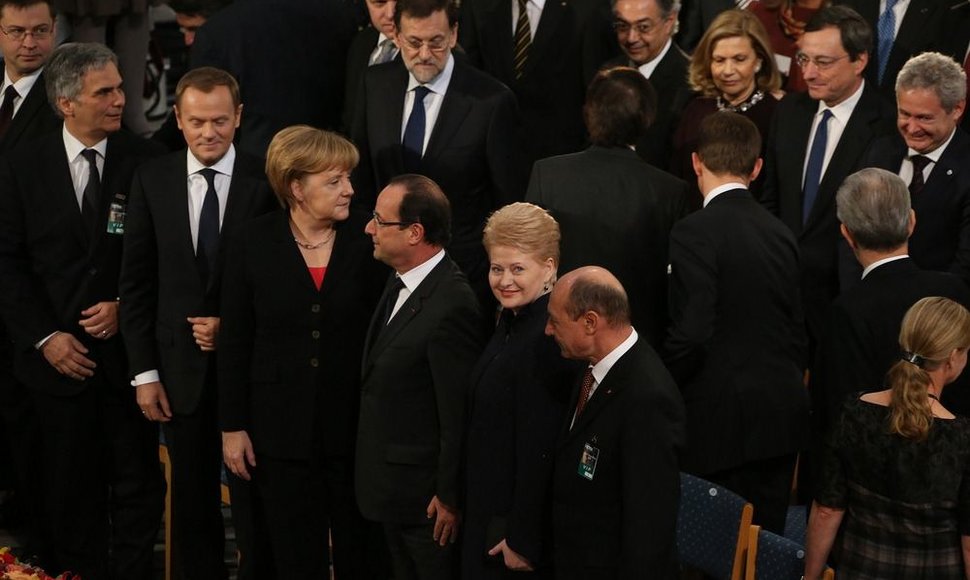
(546, 286)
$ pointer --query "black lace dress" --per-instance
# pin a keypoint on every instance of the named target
(906, 502)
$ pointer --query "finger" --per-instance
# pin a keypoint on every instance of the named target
(82, 360)
(81, 370)
(88, 312)
(495, 549)
(439, 527)
(244, 473)
(163, 405)
(250, 456)
(445, 535)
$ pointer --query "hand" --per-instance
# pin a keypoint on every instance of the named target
(101, 320)
(237, 451)
(153, 401)
(513, 560)
(66, 354)
(446, 522)
(205, 329)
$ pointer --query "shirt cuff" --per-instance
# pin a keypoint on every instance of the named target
(44, 340)
(146, 377)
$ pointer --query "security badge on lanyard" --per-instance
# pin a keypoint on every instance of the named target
(587, 462)
(116, 215)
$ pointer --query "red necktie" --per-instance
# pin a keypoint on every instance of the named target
(584, 392)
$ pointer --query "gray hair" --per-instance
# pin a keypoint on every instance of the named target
(65, 70)
(938, 72)
(874, 206)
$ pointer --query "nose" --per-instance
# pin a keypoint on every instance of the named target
(29, 41)
(348, 187)
(506, 279)
(370, 229)
(425, 51)
(189, 37)
(548, 329)
(632, 35)
(119, 95)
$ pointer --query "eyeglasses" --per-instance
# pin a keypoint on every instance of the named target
(18, 34)
(382, 223)
(436, 44)
(820, 62)
(623, 28)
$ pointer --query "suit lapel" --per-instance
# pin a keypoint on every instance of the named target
(33, 102)
(454, 109)
(390, 116)
(947, 169)
(552, 14)
(602, 396)
(914, 26)
(498, 21)
(61, 188)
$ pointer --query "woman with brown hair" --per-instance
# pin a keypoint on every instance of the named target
(893, 489)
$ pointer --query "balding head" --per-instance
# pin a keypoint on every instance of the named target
(589, 314)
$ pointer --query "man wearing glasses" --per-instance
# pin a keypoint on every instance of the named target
(817, 139)
(644, 29)
(437, 116)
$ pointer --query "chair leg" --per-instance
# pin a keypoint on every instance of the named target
(167, 463)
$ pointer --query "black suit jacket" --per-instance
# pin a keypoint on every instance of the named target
(622, 522)
(415, 378)
(52, 268)
(358, 58)
(289, 354)
(471, 153)
(862, 338)
(823, 252)
(956, 36)
(736, 343)
(696, 18)
(34, 118)
(615, 211)
(920, 31)
(160, 283)
(669, 81)
(941, 240)
(573, 39)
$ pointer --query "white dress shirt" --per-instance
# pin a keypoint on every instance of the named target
(906, 169)
(413, 278)
(602, 368)
(533, 9)
(432, 102)
(23, 86)
(647, 68)
(840, 118)
(79, 165)
(878, 263)
(721, 189)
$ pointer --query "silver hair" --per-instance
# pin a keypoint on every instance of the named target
(938, 72)
(65, 70)
(874, 206)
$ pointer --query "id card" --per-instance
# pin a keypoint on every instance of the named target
(116, 218)
(587, 463)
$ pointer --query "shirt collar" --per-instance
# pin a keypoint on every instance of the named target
(647, 68)
(843, 110)
(413, 277)
(606, 363)
(223, 166)
(73, 146)
(935, 154)
(721, 189)
(878, 263)
(24, 85)
(439, 84)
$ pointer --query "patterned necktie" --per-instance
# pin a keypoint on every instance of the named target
(414, 132)
(208, 244)
(916, 183)
(385, 53)
(886, 30)
(522, 40)
(92, 191)
(6, 109)
(584, 391)
(816, 158)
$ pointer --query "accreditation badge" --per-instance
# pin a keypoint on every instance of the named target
(116, 215)
(587, 462)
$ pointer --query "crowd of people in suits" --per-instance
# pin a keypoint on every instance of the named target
(461, 289)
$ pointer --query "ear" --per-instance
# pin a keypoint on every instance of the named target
(757, 169)
(695, 161)
(238, 114)
(912, 223)
(296, 188)
(65, 106)
(550, 267)
(178, 115)
(958, 111)
(861, 62)
(847, 235)
(415, 234)
(590, 322)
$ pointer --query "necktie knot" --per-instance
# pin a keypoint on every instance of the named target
(10, 93)
(420, 92)
(91, 156)
(210, 176)
(919, 162)
(522, 5)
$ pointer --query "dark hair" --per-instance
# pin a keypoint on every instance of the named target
(24, 4)
(424, 203)
(620, 107)
(206, 79)
(607, 300)
(424, 9)
(855, 32)
(204, 8)
(728, 144)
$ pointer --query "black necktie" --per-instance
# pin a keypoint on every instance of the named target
(6, 109)
(92, 191)
(392, 295)
(414, 131)
(208, 246)
(916, 183)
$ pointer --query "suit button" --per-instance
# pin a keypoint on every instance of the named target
(92, 271)
(315, 334)
(315, 308)
(314, 362)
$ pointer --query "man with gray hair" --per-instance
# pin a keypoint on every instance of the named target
(930, 153)
(62, 216)
(862, 334)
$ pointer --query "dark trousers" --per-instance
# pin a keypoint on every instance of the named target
(252, 537)
(103, 488)
(198, 534)
(765, 483)
(300, 498)
(415, 555)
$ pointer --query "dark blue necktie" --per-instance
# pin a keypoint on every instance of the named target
(414, 131)
(91, 196)
(816, 157)
(886, 32)
(208, 245)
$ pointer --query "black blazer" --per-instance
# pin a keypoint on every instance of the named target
(941, 240)
(669, 81)
(736, 344)
(920, 31)
(289, 354)
(573, 39)
(823, 252)
(622, 522)
(415, 377)
(956, 36)
(35, 118)
(51, 267)
(160, 284)
(615, 211)
(862, 337)
(471, 153)
(358, 58)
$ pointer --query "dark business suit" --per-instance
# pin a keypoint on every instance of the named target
(823, 253)
(472, 152)
(920, 31)
(941, 240)
(161, 287)
(862, 338)
(414, 384)
(956, 36)
(697, 16)
(615, 211)
(94, 437)
(358, 59)
(669, 81)
(572, 41)
(34, 118)
(289, 376)
(621, 523)
(736, 345)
